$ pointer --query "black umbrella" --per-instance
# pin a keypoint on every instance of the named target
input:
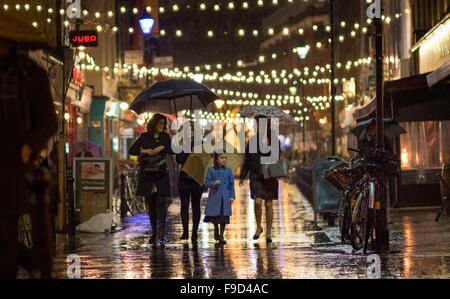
(172, 96)
(391, 128)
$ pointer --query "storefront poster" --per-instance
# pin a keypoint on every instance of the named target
(93, 175)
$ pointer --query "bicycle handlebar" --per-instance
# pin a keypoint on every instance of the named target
(374, 153)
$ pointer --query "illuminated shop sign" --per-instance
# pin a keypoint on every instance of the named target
(434, 47)
(84, 38)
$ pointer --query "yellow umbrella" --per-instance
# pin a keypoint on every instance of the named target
(197, 164)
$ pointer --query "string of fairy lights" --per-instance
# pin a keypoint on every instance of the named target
(97, 16)
(306, 76)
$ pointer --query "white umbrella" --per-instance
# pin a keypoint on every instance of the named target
(270, 112)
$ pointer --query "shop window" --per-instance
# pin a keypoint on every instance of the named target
(425, 145)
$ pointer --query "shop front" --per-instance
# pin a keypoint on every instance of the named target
(79, 97)
(421, 104)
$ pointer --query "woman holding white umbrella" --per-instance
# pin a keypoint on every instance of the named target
(262, 189)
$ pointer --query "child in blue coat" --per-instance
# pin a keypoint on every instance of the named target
(220, 180)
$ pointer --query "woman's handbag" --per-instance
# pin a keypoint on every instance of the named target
(277, 170)
(153, 165)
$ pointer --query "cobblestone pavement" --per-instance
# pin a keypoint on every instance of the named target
(420, 247)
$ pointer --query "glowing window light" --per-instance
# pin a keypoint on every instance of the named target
(405, 160)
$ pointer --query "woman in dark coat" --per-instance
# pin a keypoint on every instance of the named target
(155, 188)
(190, 192)
(260, 188)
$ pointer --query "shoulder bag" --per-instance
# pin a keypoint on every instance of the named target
(277, 170)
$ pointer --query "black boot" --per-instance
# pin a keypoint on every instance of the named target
(216, 232)
(184, 236)
(162, 220)
(222, 230)
(194, 237)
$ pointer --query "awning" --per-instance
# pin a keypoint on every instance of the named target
(414, 100)
(366, 111)
(438, 75)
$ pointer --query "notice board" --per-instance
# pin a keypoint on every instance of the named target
(93, 186)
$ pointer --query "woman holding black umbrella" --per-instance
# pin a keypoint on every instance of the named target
(152, 147)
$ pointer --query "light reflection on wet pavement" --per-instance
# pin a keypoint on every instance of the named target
(420, 248)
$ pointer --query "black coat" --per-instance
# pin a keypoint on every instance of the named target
(259, 187)
(146, 182)
(34, 93)
(252, 161)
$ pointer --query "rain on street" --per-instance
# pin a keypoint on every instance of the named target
(419, 247)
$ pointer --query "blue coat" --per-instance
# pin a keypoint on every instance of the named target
(221, 193)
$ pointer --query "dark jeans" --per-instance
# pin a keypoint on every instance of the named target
(157, 211)
(190, 191)
(9, 247)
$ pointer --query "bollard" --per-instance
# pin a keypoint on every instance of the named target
(71, 206)
(123, 203)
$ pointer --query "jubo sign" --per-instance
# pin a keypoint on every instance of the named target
(84, 38)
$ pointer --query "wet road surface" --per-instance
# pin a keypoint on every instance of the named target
(420, 247)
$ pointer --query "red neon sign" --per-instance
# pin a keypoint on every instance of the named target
(84, 38)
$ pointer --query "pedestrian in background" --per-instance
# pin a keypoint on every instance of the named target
(190, 192)
(27, 121)
(220, 181)
(260, 188)
(83, 152)
(154, 184)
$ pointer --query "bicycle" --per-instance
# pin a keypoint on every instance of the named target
(130, 202)
(361, 182)
(378, 165)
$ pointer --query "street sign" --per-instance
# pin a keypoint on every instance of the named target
(163, 62)
(134, 57)
(85, 38)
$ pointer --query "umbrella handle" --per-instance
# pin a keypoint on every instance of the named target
(175, 106)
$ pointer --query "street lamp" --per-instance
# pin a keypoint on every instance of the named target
(146, 22)
(302, 52)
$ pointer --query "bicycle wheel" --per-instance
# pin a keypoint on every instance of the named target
(140, 204)
(357, 227)
(343, 217)
(368, 227)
